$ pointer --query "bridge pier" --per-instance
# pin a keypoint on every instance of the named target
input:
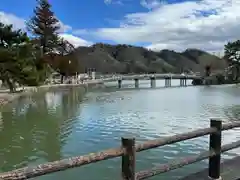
(166, 77)
(168, 82)
(153, 82)
(136, 83)
(183, 82)
(119, 83)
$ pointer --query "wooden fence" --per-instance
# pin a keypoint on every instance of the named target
(129, 149)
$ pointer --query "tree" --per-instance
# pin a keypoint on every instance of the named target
(232, 55)
(44, 26)
(64, 60)
(10, 37)
(9, 42)
(64, 65)
(18, 58)
(30, 75)
(65, 47)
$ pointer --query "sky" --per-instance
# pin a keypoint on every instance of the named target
(154, 24)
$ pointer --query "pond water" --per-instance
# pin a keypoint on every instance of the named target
(55, 125)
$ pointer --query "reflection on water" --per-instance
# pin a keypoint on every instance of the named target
(61, 124)
(34, 129)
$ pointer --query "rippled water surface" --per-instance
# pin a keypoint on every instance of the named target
(60, 124)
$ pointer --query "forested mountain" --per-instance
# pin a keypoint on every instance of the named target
(107, 58)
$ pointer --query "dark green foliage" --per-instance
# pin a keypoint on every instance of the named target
(9, 37)
(232, 55)
(230, 50)
(44, 26)
(17, 65)
(18, 59)
(10, 67)
(29, 57)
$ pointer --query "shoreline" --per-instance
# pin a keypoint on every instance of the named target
(6, 97)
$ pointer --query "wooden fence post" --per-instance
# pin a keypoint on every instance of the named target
(128, 159)
(215, 144)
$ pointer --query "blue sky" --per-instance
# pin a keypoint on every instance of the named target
(156, 24)
(85, 14)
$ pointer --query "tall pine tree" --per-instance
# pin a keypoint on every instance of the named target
(44, 26)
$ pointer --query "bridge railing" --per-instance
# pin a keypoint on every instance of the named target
(128, 151)
(148, 76)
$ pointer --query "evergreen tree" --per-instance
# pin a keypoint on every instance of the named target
(10, 37)
(232, 52)
(44, 26)
(17, 58)
(232, 55)
(9, 42)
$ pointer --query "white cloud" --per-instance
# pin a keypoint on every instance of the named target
(117, 2)
(80, 31)
(205, 24)
(107, 1)
(151, 4)
(76, 41)
(19, 23)
(64, 27)
(6, 18)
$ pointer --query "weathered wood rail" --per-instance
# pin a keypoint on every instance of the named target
(129, 149)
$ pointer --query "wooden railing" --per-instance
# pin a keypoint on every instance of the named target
(129, 149)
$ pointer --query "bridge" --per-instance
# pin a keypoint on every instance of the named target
(153, 77)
